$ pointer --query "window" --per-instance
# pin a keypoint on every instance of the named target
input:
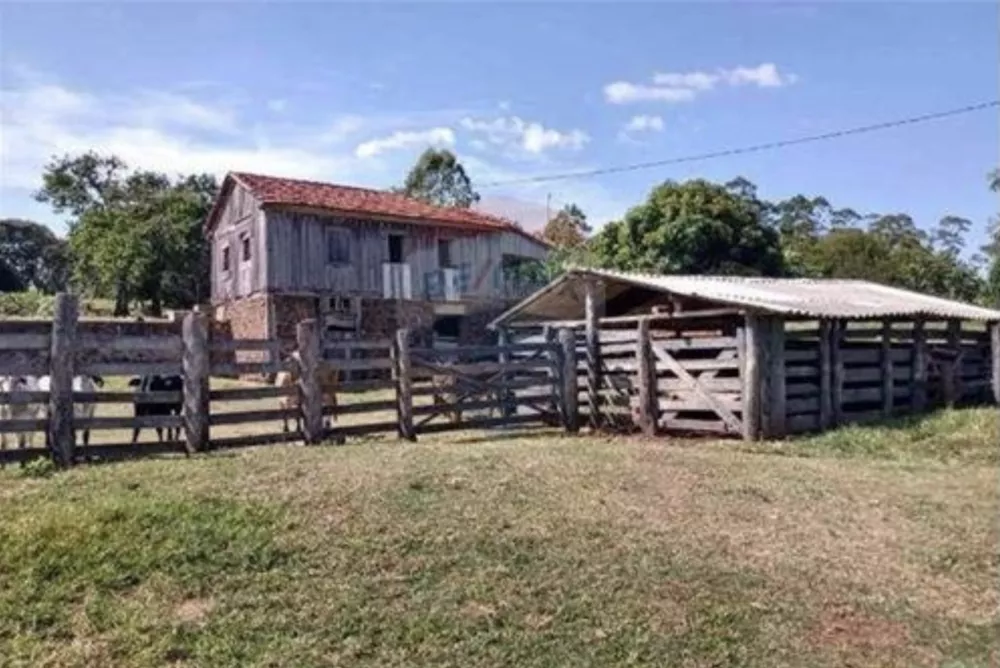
(444, 253)
(245, 245)
(395, 248)
(338, 246)
(340, 304)
(225, 258)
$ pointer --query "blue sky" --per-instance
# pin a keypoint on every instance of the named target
(353, 92)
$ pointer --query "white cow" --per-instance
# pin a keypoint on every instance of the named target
(19, 407)
(81, 409)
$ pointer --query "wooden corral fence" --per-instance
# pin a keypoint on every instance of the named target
(730, 372)
(404, 390)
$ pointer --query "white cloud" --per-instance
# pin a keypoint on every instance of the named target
(515, 135)
(405, 139)
(277, 105)
(341, 128)
(644, 123)
(623, 92)
(686, 86)
(693, 80)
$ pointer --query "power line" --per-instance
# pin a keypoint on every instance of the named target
(747, 149)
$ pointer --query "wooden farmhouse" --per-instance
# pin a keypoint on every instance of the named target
(363, 262)
(760, 357)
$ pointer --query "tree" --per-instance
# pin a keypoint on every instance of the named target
(568, 228)
(693, 227)
(33, 256)
(991, 291)
(439, 178)
(134, 236)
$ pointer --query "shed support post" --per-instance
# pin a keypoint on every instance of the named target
(310, 396)
(404, 396)
(776, 377)
(888, 382)
(196, 372)
(593, 345)
(825, 374)
(646, 381)
(503, 340)
(995, 359)
(751, 368)
(571, 416)
(951, 369)
(61, 361)
(837, 329)
(919, 368)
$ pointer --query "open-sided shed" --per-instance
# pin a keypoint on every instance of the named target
(761, 357)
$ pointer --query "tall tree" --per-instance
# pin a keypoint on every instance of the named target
(439, 178)
(33, 254)
(134, 236)
(694, 227)
(992, 249)
(568, 228)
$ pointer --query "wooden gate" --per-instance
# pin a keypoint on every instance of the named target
(686, 384)
(485, 386)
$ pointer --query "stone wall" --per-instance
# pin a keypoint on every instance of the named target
(288, 311)
(380, 318)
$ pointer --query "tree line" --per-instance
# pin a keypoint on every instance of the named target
(136, 236)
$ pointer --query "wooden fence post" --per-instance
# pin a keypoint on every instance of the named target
(646, 381)
(776, 378)
(61, 362)
(310, 395)
(593, 340)
(571, 416)
(951, 370)
(918, 369)
(404, 398)
(503, 340)
(752, 340)
(825, 374)
(196, 371)
(995, 359)
(888, 382)
(838, 327)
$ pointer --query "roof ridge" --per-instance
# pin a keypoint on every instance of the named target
(313, 182)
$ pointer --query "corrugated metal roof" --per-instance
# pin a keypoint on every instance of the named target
(808, 297)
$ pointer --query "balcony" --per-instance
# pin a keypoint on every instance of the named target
(396, 281)
(446, 284)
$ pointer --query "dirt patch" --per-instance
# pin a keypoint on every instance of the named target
(194, 610)
(866, 637)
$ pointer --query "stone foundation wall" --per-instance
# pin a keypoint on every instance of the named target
(288, 311)
(380, 318)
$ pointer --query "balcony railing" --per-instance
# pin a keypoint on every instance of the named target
(396, 281)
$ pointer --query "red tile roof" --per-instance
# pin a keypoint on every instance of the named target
(362, 202)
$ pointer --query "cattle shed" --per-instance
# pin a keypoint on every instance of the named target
(759, 357)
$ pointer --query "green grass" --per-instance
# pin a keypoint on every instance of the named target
(526, 550)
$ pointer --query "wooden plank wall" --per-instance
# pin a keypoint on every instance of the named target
(871, 378)
(296, 255)
(241, 215)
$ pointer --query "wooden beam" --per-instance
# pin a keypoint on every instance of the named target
(593, 346)
(310, 394)
(950, 368)
(995, 358)
(571, 412)
(61, 362)
(633, 319)
(918, 367)
(776, 377)
(888, 378)
(405, 385)
(645, 381)
(837, 328)
(825, 374)
(196, 392)
(751, 376)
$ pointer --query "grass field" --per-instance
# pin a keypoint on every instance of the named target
(863, 547)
